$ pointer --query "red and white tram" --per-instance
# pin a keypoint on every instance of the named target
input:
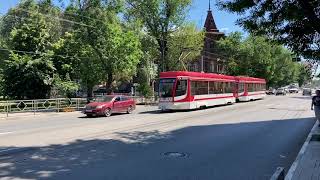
(191, 90)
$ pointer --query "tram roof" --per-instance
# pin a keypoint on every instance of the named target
(250, 79)
(174, 74)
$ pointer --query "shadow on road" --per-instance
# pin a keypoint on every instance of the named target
(101, 116)
(184, 110)
(227, 151)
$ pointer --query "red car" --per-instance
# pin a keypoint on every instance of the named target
(107, 105)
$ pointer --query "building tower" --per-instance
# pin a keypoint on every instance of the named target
(210, 61)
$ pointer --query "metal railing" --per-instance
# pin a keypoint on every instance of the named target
(53, 105)
(41, 105)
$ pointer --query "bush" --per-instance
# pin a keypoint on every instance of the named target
(145, 90)
(66, 88)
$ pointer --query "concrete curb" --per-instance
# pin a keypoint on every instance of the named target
(278, 175)
(294, 165)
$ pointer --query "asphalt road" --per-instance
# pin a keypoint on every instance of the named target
(237, 142)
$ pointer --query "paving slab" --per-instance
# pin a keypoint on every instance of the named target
(307, 165)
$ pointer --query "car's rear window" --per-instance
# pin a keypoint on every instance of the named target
(104, 99)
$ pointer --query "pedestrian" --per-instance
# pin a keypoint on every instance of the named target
(315, 105)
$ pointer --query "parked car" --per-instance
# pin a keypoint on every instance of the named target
(271, 91)
(306, 92)
(106, 105)
(293, 90)
(281, 91)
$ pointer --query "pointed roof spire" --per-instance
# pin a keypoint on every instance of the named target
(210, 25)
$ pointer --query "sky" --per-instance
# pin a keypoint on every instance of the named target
(225, 21)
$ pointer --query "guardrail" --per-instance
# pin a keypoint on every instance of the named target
(54, 105)
(41, 105)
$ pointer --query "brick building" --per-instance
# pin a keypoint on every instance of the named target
(209, 61)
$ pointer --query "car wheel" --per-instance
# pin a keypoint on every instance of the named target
(130, 109)
(107, 112)
(89, 115)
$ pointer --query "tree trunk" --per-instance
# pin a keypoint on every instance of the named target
(89, 93)
(163, 52)
(109, 83)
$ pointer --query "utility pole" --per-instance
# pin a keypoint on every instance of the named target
(202, 64)
(162, 68)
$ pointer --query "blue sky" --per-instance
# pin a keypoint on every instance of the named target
(224, 20)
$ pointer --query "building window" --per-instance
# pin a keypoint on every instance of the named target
(196, 67)
(211, 45)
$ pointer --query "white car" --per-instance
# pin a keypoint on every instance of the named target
(293, 90)
(281, 91)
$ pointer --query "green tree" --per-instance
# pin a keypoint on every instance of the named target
(304, 75)
(66, 87)
(28, 70)
(184, 45)
(27, 77)
(117, 50)
(257, 57)
(147, 69)
(294, 23)
(160, 18)
(76, 60)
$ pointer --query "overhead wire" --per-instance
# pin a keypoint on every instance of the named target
(81, 24)
(57, 18)
(40, 53)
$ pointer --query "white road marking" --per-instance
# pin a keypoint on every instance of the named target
(5, 133)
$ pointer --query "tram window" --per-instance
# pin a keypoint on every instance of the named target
(166, 87)
(220, 87)
(215, 87)
(181, 88)
(203, 87)
(241, 87)
(250, 87)
(229, 87)
(199, 87)
(193, 87)
(212, 89)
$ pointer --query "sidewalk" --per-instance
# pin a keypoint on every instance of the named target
(307, 163)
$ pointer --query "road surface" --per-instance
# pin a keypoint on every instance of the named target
(241, 141)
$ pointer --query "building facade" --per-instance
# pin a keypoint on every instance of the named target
(210, 61)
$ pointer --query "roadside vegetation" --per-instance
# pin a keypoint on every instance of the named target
(45, 47)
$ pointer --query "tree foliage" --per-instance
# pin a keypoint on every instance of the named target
(294, 23)
(160, 18)
(255, 56)
(117, 50)
(28, 69)
(184, 45)
(84, 42)
(27, 77)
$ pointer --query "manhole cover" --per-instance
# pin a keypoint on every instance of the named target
(175, 154)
